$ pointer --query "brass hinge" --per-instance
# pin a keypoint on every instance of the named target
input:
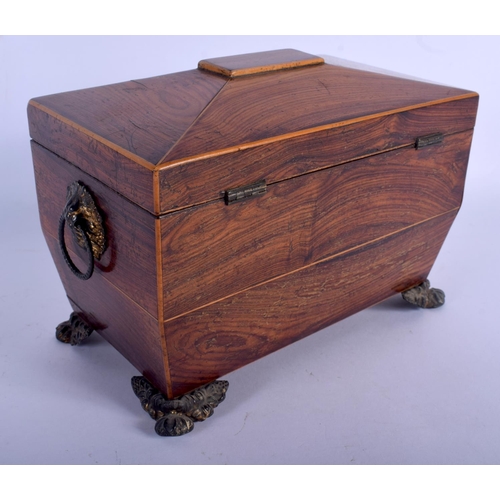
(244, 192)
(428, 140)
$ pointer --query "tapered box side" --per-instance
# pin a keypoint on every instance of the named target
(120, 301)
(305, 219)
(221, 337)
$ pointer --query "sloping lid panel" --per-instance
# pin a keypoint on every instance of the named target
(206, 178)
(146, 117)
(256, 108)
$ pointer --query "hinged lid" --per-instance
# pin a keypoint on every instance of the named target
(183, 139)
(243, 192)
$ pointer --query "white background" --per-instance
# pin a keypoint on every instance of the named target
(390, 385)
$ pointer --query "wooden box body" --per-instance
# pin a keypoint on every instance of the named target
(358, 202)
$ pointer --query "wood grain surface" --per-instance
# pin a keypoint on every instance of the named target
(129, 263)
(215, 250)
(194, 182)
(208, 343)
(145, 117)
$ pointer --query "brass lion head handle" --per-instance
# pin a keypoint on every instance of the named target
(85, 222)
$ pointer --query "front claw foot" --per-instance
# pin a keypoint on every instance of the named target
(174, 424)
(74, 331)
(176, 417)
(424, 296)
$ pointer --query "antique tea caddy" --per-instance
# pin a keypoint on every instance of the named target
(204, 219)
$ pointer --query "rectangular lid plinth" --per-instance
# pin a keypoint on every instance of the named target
(259, 62)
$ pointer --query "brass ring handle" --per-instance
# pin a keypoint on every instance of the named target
(64, 250)
(82, 216)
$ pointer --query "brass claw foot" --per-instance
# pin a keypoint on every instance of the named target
(74, 331)
(176, 417)
(424, 296)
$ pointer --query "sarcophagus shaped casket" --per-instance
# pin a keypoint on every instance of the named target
(204, 219)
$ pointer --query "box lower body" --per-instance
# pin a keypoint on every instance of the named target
(179, 346)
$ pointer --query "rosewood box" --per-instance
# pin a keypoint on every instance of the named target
(204, 219)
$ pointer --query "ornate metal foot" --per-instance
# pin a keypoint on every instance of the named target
(176, 417)
(424, 296)
(74, 331)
